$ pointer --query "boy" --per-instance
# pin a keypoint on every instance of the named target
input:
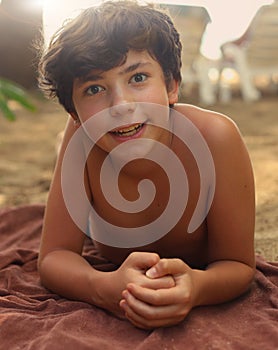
(116, 70)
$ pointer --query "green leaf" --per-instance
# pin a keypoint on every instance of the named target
(12, 91)
(8, 113)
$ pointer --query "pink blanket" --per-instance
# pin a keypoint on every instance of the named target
(32, 317)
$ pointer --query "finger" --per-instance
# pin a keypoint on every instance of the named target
(160, 297)
(142, 260)
(142, 323)
(149, 311)
(158, 283)
(146, 316)
(167, 267)
(133, 318)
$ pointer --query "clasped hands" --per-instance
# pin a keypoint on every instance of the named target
(157, 293)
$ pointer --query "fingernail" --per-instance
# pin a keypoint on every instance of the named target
(123, 304)
(151, 273)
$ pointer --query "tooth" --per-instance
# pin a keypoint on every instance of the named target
(129, 129)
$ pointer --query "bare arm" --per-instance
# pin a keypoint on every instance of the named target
(230, 225)
(62, 267)
(231, 220)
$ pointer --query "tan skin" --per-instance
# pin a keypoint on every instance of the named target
(158, 284)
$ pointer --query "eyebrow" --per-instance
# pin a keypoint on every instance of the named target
(133, 67)
(91, 77)
(129, 69)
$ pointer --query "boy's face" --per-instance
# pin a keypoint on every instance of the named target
(121, 100)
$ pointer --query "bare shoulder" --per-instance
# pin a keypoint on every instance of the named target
(221, 134)
(214, 126)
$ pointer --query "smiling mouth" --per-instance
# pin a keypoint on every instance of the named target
(128, 131)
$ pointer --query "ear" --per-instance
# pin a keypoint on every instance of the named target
(173, 92)
(75, 118)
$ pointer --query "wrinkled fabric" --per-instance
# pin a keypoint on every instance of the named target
(32, 317)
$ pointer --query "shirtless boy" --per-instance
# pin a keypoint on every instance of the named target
(120, 62)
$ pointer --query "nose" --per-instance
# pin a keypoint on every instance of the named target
(122, 104)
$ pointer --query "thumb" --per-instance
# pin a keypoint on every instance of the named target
(143, 260)
(166, 267)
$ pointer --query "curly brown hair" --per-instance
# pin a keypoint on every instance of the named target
(100, 37)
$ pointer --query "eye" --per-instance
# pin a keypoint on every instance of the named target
(138, 78)
(94, 89)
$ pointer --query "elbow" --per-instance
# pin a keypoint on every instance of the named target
(40, 262)
(252, 274)
(249, 278)
(251, 270)
(40, 268)
(43, 270)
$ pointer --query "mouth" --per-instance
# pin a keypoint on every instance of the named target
(128, 131)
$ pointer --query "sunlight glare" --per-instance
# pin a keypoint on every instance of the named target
(229, 19)
(213, 75)
(229, 75)
(56, 12)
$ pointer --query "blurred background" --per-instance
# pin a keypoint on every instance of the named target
(230, 64)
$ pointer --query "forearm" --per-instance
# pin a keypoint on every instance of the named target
(221, 281)
(70, 275)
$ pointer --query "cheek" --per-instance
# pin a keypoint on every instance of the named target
(86, 111)
(157, 95)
